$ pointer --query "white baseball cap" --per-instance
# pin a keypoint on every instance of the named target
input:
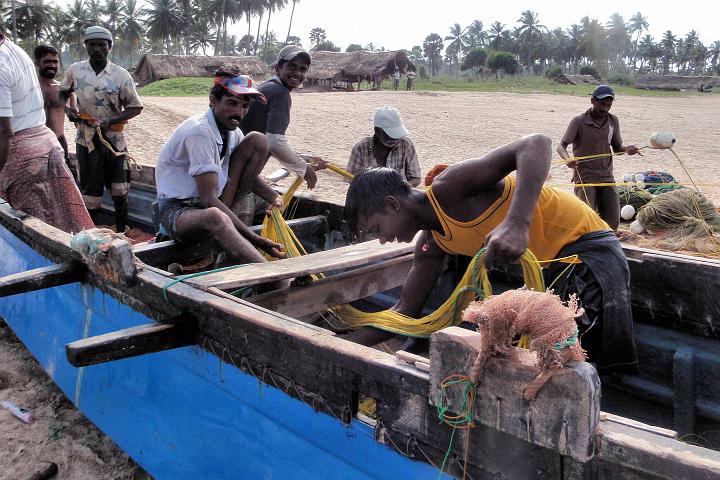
(388, 118)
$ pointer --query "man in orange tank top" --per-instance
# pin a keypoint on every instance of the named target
(474, 204)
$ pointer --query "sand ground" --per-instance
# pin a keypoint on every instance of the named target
(446, 127)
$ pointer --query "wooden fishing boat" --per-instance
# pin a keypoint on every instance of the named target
(192, 381)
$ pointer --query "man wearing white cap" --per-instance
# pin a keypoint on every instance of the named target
(206, 163)
(106, 99)
(389, 147)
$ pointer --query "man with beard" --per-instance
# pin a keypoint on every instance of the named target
(33, 175)
(106, 100)
(389, 147)
(273, 119)
(595, 132)
(47, 63)
(206, 163)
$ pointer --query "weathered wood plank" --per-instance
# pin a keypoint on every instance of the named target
(39, 278)
(564, 415)
(351, 256)
(130, 342)
(337, 289)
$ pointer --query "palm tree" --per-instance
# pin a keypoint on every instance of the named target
(495, 36)
(638, 24)
(714, 56)
(164, 21)
(667, 44)
(272, 6)
(33, 18)
(476, 35)
(79, 21)
(95, 10)
(593, 41)
(130, 27)
(619, 41)
(432, 48)
(530, 34)
(457, 46)
(113, 10)
(574, 38)
(61, 34)
(291, 19)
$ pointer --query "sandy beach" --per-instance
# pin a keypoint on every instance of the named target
(446, 128)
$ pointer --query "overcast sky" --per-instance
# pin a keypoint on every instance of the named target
(402, 24)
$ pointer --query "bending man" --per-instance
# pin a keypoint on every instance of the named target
(475, 203)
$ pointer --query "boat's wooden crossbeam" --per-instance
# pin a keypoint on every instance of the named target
(351, 256)
(337, 289)
(39, 278)
(130, 342)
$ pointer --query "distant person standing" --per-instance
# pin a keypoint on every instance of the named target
(106, 99)
(595, 132)
(389, 146)
(410, 85)
(396, 78)
(47, 63)
(33, 174)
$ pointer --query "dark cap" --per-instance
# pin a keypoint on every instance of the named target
(603, 91)
(289, 52)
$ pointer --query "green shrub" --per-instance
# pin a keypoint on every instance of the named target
(590, 70)
(553, 72)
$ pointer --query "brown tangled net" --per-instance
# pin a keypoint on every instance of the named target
(542, 315)
(688, 220)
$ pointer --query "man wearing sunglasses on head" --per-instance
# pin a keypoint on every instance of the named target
(596, 132)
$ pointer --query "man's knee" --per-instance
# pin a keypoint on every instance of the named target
(217, 221)
(255, 141)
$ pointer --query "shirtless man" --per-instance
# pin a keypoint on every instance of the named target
(47, 63)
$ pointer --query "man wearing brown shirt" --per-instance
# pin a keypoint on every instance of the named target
(596, 132)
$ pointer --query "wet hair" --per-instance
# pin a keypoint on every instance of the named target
(368, 190)
(42, 50)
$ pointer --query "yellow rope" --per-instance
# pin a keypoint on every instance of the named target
(115, 153)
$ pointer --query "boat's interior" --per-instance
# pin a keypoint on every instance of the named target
(369, 275)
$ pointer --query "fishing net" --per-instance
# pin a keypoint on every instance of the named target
(687, 218)
(633, 196)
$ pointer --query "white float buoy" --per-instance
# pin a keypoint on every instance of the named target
(628, 177)
(627, 212)
(639, 177)
(636, 227)
(662, 140)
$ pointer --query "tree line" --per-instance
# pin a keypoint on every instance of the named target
(617, 47)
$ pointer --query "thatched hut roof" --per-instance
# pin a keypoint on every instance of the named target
(577, 80)
(676, 82)
(356, 66)
(152, 68)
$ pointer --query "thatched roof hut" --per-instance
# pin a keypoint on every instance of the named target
(152, 68)
(351, 67)
(676, 82)
(577, 80)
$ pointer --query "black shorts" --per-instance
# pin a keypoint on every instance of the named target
(101, 169)
(170, 211)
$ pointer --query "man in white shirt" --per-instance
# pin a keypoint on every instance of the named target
(206, 164)
(33, 174)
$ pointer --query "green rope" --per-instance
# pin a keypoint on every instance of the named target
(198, 274)
(467, 406)
(569, 342)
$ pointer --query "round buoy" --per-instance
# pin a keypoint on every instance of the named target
(636, 227)
(662, 140)
(639, 177)
(628, 177)
(627, 212)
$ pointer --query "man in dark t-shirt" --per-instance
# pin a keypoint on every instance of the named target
(273, 118)
(596, 132)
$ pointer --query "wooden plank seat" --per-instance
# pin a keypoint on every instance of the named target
(351, 256)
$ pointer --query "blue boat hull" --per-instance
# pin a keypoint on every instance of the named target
(184, 413)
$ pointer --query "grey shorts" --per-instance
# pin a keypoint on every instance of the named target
(170, 211)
